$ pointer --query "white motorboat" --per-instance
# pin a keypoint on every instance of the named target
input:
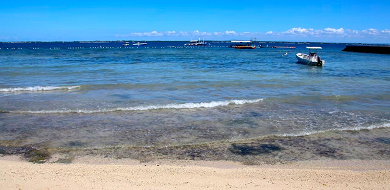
(312, 59)
(140, 44)
(197, 43)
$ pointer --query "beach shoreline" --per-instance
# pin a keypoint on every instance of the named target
(93, 172)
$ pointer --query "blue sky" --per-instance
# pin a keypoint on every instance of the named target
(320, 20)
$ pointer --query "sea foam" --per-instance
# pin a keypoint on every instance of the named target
(38, 88)
(151, 107)
(357, 128)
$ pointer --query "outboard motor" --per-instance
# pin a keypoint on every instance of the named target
(319, 61)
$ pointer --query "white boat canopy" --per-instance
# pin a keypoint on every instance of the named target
(314, 47)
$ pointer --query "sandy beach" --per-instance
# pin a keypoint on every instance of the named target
(101, 173)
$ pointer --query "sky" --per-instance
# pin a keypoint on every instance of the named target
(352, 21)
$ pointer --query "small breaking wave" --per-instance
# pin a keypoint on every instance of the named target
(358, 128)
(38, 88)
(151, 107)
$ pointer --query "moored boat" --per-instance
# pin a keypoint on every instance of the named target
(243, 45)
(197, 43)
(312, 59)
(139, 44)
(284, 47)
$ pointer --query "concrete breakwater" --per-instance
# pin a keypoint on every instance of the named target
(383, 49)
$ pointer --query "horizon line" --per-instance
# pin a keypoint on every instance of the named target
(255, 41)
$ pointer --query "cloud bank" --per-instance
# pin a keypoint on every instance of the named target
(293, 34)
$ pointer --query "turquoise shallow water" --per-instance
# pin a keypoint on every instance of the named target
(103, 94)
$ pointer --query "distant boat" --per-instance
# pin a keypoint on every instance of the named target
(284, 47)
(139, 44)
(312, 59)
(261, 46)
(197, 43)
(243, 45)
(126, 44)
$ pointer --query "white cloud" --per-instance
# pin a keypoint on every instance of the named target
(153, 33)
(332, 31)
(311, 31)
(182, 34)
(299, 31)
(171, 32)
(349, 31)
(293, 34)
(386, 31)
(230, 32)
(371, 31)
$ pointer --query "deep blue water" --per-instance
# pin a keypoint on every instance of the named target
(183, 95)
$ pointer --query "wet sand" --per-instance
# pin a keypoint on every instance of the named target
(102, 173)
(355, 159)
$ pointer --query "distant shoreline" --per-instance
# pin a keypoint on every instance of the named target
(215, 41)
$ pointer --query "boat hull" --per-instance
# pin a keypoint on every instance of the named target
(245, 47)
(309, 60)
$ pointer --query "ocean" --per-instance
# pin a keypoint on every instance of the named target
(113, 99)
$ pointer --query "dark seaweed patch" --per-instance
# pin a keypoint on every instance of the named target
(30, 153)
(193, 154)
(384, 140)
(64, 161)
(385, 153)
(255, 114)
(253, 148)
(75, 144)
(14, 150)
(37, 156)
(330, 152)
